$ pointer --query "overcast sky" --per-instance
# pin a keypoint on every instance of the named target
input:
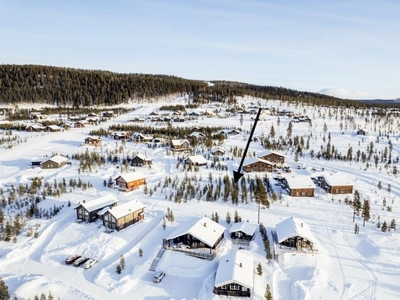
(303, 45)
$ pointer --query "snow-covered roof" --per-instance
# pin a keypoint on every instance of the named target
(204, 229)
(245, 227)
(292, 227)
(143, 157)
(178, 142)
(197, 134)
(253, 160)
(128, 177)
(53, 127)
(217, 148)
(268, 152)
(197, 159)
(124, 209)
(237, 267)
(35, 126)
(338, 179)
(58, 159)
(299, 182)
(106, 200)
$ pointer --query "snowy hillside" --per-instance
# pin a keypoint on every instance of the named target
(345, 94)
(343, 265)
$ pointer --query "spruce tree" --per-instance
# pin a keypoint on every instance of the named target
(393, 224)
(384, 226)
(118, 269)
(259, 269)
(268, 294)
(122, 262)
(228, 218)
(366, 211)
(4, 294)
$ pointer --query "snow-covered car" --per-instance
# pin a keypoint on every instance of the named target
(80, 261)
(91, 262)
(72, 258)
(158, 276)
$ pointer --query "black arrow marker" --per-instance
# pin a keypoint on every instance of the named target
(236, 174)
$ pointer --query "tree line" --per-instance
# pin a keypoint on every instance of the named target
(85, 88)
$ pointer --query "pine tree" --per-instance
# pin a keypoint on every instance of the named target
(393, 224)
(118, 269)
(212, 216)
(268, 294)
(259, 269)
(4, 294)
(366, 211)
(122, 262)
(216, 217)
(384, 226)
(164, 223)
(50, 296)
(236, 217)
(228, 218)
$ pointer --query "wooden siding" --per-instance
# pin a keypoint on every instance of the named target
(259, 167)
(137, 161)
(239, 235)
(302, 192)
(340, 189)
(298, 243)
(51, 165)
(232, 289)
(129, 219)
(129, 186)
(192, 242)
(276, 158)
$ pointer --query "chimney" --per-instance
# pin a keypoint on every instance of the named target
(301, 224)
(205, 224)
(240, 264)
(84, 201)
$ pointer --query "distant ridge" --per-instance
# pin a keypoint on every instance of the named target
(344, 94)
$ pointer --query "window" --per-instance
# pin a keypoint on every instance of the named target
(244, 289)
(336, 191)
(235, 287)
(342, 191)
(238, 234)
(223, 287)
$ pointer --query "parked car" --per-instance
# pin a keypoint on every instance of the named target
(158, 276)
(91, 262)
(72, 258)
(80, 261)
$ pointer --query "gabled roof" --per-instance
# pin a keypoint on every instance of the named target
(237, 267)
(292, 227)
(268, 152)
(95, 204)
(299, 182)
(245, 227)
(199, 159)
(53, 127)
(58, 159)
(143, 157)
(35, 126)
(197, 134)
(128, 177)
(178, 142)
(124, 209)
(253, 160)
(204, 229)
(218, 148)
(338, 179)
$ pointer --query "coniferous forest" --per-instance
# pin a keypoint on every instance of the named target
(82, 88)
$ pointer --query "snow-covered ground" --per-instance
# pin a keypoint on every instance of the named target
(346, 265)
